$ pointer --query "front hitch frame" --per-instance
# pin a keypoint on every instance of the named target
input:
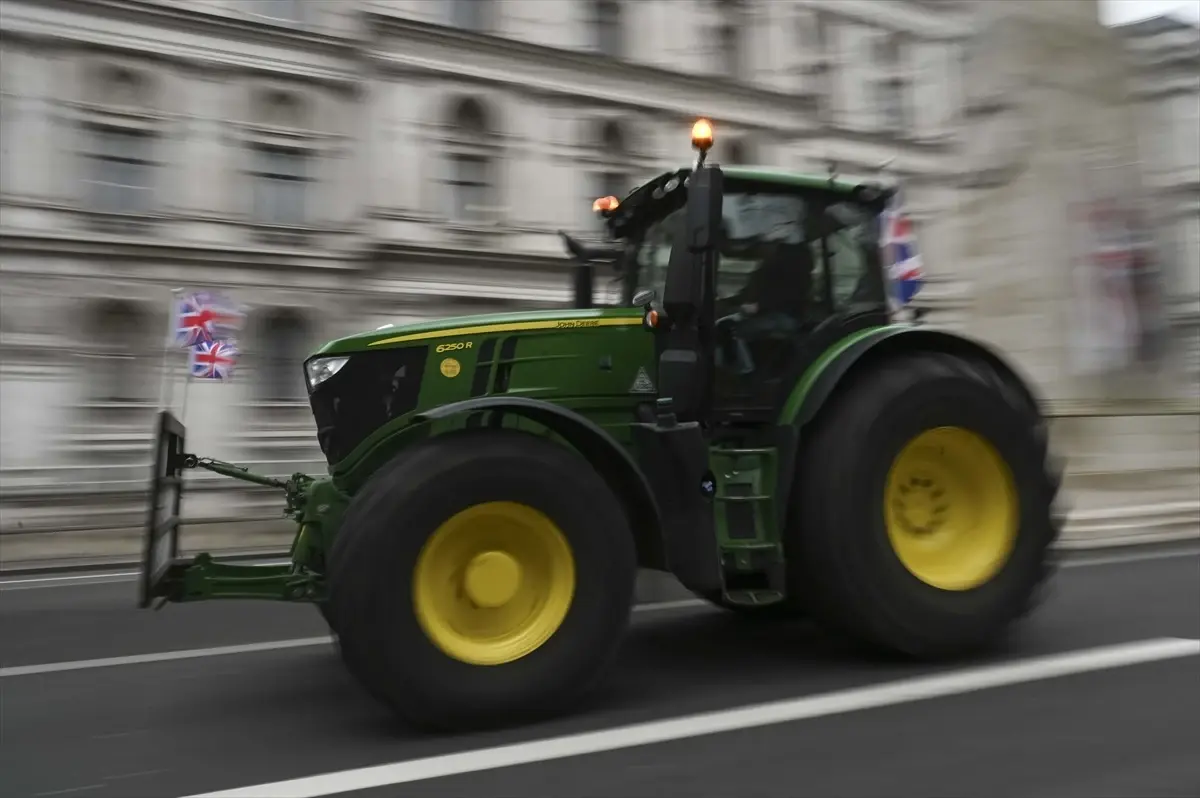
(166, 577)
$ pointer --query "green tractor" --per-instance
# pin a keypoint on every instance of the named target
(750, 419)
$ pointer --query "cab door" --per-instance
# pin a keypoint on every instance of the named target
(798, 272)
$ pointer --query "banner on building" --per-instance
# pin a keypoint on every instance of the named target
(1117, 288)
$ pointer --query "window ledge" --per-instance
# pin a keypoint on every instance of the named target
(122, 223)
(282, 235)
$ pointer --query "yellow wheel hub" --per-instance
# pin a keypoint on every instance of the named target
(492, 579)
(493, 583)
(951, 509)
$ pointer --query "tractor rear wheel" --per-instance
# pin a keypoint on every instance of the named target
(483, 578)
(925, 510)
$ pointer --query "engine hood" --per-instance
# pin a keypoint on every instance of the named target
(483, 324)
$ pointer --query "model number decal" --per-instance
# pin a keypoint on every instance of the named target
(454, 347)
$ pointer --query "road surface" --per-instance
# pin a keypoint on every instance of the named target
(1098, 695)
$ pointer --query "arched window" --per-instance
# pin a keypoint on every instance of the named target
(116, 345)
(471, 163)
(284, 345)
(608, 28)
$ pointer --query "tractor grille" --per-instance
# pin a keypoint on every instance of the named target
(370, 390)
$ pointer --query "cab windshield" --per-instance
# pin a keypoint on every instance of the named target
(808, 254)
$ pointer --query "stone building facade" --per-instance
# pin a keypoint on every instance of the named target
(341, 164)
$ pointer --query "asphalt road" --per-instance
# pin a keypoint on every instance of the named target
(1041, 719)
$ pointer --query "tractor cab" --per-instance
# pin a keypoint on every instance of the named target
(795, 266)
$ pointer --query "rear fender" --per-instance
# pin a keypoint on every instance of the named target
(818, 386)
(608, 457)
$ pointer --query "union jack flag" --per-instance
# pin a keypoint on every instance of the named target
(204, 317)
(213, 360)
(901, 258)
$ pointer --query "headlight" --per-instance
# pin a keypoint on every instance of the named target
(322, 369)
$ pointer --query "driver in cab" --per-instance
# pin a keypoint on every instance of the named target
(771, 304)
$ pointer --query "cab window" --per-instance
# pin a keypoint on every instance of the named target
(792, 253)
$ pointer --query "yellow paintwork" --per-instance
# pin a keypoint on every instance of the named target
(493, 583)
(516, 326)
(951, 509)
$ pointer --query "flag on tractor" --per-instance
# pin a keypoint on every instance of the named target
(212, 360)
(901, 259)
(205, 317)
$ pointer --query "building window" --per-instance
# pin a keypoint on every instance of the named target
(728, 35)
(120, 170)
(471, 163)
(729, 40)
(281, 10)
(117, 335)
(284, 348)
(893, 107)
(891, 84)
(470, 186)
(608, 29)
(738, 153)
(469, 15)
(280, 184)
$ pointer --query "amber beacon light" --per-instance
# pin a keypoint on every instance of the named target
(702, 135)
(605, 204)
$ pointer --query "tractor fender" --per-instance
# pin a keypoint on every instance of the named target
(607, 456)
(816, 388)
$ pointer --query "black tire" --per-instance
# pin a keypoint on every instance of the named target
(840, 560)
(323, 608)
(371, 587)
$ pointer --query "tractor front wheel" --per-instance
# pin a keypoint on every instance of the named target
(483, 578)
(925, 510)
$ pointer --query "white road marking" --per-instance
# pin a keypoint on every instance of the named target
(1079, 558)
(843, 701)
(247, 648)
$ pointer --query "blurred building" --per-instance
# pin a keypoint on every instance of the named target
(1166, 53)
(339, 165)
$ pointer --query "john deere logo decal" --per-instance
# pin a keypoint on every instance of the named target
(642, 383)
(450, 367)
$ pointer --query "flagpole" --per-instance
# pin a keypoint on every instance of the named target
(187, 382)
(166, 385)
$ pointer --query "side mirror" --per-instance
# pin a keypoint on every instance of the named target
(645, 298)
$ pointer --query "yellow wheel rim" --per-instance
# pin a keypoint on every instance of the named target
(951, 509)
(493, 583)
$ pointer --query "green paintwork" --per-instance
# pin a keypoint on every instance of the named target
(795, 401)
(203, 578)
(587, 369)
(361, 341)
